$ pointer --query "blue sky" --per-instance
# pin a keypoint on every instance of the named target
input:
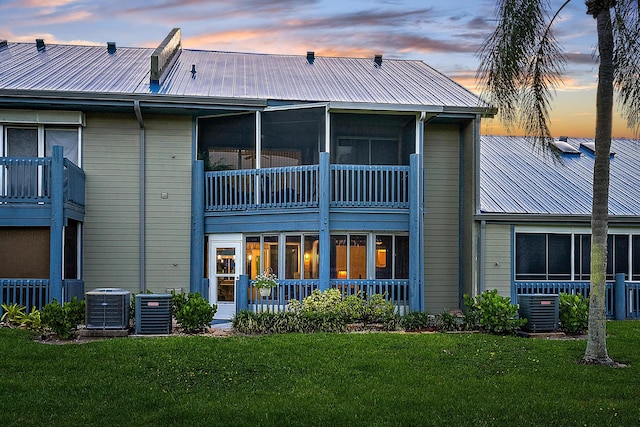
(444, 34)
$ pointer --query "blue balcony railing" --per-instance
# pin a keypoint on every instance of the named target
(29, 180)
(299, 186)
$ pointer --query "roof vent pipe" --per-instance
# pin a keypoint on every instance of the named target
(111, 47)
(193, 71)
(40, 44)
(311, 56)
(378, 60)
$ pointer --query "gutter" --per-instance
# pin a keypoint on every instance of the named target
(142, 218)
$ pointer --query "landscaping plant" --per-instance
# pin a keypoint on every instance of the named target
(13, 314)
(192, 312)
(493, 313)
(573, 313)
(62, 319)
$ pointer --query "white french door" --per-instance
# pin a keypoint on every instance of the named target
(225, 267)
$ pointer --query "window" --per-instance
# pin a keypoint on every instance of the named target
(299, 257)
(550, 256)
(392, 257)
(372, 139)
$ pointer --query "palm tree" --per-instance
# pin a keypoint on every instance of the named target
(521, 64)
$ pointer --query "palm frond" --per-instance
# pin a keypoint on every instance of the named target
(626, 57)
(521, 65)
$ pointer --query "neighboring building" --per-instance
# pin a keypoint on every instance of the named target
(196, 170)
(534, 218)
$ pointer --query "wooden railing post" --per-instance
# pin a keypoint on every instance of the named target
(242, 292)
(197, 227)
(57, 222)
(619, 292)
(324, 188)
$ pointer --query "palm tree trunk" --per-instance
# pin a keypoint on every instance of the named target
(596, 351)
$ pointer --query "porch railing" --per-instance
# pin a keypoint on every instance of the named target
(583, 288)
(25, 180)
(299, 186)
(26, 292)
(384, 186)
(28, 180)
(36, 293)
(395, 291)
(74, 181)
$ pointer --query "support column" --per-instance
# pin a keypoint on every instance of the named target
(620, 300)
(57, 223)
(415, 238)
(324, 187)
(197, 227)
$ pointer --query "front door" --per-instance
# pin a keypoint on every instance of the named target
(225, 268)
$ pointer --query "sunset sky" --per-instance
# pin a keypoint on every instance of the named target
(444, 34)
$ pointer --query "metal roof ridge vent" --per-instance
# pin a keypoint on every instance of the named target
(378, 60)
(40, 44)
(563, 145)
(111, 47)
(165, 56)
(311, 56)
(3, 44)
(590, 147)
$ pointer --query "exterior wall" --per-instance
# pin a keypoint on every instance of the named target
(112, 226)
(469, 229)
(497, 258)
(111, 231)
(441, 218)
(168, 225)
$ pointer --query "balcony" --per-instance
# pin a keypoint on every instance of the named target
(348, 186)
(30, 186)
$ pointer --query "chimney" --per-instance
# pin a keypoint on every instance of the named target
(165, 56)
(378, 60)
(40, 44)
(311, 56)
(111, 47)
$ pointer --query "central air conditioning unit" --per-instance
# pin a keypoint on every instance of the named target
(107, 308)
(153, 314)
(540, 310)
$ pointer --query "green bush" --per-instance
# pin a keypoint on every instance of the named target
(327, 311)
(192, 312)
(493, 313)
(415, 321)
(573, 313)
(449, 322)
(13, 314)
(62, 319)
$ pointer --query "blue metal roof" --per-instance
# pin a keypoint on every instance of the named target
(516, 178)
(88, 70)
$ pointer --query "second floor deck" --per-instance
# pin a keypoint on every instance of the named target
(30, 186)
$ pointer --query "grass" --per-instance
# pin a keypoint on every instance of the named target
(319, 379)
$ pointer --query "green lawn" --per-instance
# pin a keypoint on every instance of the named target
(320, 379)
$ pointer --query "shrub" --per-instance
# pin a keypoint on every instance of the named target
(62, 319)
(449, 322)
(494, 313)
(573, 313)
(192, 312)
(415, 321)
(13, 314)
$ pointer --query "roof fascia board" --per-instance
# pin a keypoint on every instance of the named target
(364, 106)
(83, 98)
(296, 106)
(542, 218)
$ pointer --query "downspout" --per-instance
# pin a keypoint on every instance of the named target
(483, 224)
(143, 285)
(420, 151)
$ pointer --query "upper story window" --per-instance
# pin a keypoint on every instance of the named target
(288, 137)
(372, 139)
(38, 141)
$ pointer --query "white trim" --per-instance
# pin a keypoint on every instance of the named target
(47, 117)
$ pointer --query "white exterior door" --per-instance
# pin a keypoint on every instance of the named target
(225, 265)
